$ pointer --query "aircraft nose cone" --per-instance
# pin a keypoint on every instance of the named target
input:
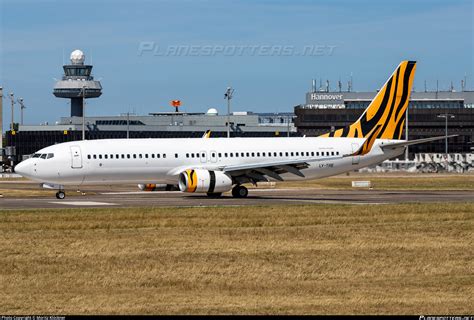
(23, 169)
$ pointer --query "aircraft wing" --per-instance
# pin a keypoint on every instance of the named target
(260, 171)
(396, 145)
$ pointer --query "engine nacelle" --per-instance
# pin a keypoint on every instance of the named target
(204, 181)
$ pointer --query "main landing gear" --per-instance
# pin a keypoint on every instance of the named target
(60, 195)
(240, 192)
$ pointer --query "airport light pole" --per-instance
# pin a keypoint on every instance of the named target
(13, 118)
(228, 95)
(446, 116)
(288, 126)
(406, 134)
(84, 112)
(22, 107)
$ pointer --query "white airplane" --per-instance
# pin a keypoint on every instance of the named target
(217, 165)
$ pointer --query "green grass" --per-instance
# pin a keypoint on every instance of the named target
(324, 259)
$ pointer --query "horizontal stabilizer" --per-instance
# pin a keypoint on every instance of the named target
(396, 145)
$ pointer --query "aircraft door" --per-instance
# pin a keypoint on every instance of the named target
(355, 159)
(213, 156)
(76, 157)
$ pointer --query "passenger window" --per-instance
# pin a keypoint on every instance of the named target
(213, 155)
(312, 153)
(146, 155)
(88, 156)
(297, 153)
(281, 154)
(134, 156)
(158, 155)
(128, 156)
(307, 154)
(117, 156)
(317, 154)
(286, 154)
(291, 154)
(176, 155)
(332, 153)
(203, 155)
(263, 154)
(220, 155)
(248, 154)
(192, 155)
(274, 154)
(253, 154)
(100, 156)
(123, 156)
(164, 155)
(140, 155)
(242, 154)
(231, 154)
(225, 154)
(153, 155)
(236, 154)
(187, 155)
(105, 156)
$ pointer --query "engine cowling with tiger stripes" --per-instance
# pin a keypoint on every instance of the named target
(204, 181)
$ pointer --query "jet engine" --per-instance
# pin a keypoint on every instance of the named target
(204, 181)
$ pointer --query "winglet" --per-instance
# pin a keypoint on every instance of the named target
(206, 134)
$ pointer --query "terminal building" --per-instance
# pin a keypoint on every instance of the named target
(428, 114)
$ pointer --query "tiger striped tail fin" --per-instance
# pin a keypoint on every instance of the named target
(387, 109)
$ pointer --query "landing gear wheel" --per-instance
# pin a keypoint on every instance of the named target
(214, 194)
(240, 192)
(60, 195)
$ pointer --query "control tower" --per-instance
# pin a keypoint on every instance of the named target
(77, 83)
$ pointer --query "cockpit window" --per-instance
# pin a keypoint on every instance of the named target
(43, 156)
(36, 155)
(50, 155)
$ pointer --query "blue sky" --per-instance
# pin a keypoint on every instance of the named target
(368, 39)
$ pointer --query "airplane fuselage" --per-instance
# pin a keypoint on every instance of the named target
(119, 161)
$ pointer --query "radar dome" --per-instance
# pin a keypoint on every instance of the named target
(212, 112)
(77, 57)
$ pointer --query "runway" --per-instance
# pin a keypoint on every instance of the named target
(118, 199)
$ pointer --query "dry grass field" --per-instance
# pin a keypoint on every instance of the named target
(319, 259)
